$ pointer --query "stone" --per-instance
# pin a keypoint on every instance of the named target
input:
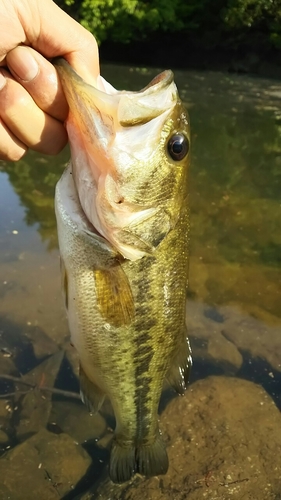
(75, 420)
(208, 343)
(35, 406)
(46, 466)
(7, 364)
(223, 441)
(251, 335)
(220, 335)
(5, 409)
(4, 438)
(42, 344)
(72, 357)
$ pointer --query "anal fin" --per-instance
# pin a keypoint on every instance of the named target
(179, 372)
(90, 393)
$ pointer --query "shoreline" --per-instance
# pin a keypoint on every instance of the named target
(179, 53)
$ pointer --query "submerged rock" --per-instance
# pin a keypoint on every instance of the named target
(74, 419)
(254, 336)
(72, 357)
(42, 344)
(4, 409)
(205, 328)
(7, 364)
(44, 467)
(35, 407)
(4, 438)
(220, 334)
(224, 442)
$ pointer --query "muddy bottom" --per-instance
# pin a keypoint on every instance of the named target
(223, 440)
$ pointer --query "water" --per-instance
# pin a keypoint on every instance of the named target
(223, 436)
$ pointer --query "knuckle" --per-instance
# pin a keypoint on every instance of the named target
(90, 42)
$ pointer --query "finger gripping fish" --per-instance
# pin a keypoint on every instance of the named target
(122, 216)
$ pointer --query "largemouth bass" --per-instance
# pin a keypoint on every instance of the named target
(122, 216)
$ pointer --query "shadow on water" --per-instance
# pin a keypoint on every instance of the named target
(235, 278)
(257, 370)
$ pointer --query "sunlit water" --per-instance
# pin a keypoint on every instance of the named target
(234, 312)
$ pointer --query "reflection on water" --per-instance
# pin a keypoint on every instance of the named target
(33, 179)
(50, 445)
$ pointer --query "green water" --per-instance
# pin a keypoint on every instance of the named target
(235, 277)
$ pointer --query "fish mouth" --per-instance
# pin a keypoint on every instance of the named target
(103, 109)
(109, 131)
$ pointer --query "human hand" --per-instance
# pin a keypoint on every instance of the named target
(32, 104)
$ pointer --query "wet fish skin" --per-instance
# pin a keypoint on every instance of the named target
(127, 316)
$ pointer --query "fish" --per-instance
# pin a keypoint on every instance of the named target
(123, 226)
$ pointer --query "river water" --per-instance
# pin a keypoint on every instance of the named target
(223, 436)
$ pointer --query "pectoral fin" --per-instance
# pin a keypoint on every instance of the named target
(114, 296)
(90, 393)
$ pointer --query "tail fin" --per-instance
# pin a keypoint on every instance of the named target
(146, 459)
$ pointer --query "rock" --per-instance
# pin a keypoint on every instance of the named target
(224, 352)
(220, 334)
(42, 344)
(75, 420)
(35, 406)
(254, 336)
(46, 466)
(7, 364)
(7, 349)
(223, 441)
(105, 441)
(6, 414)
(72, 357)
(205, 329)
(4, 438)
(5, 409)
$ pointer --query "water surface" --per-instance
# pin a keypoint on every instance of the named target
(234, 312)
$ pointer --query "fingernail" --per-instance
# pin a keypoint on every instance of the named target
(22, 64)
(2, 81)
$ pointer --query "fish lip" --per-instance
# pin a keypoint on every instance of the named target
(109, 96)
(163, 79)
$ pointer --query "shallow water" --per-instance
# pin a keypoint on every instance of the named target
(234, 313)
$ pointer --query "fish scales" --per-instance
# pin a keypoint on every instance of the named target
(125, 289)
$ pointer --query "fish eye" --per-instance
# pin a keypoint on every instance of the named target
(178, 146)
